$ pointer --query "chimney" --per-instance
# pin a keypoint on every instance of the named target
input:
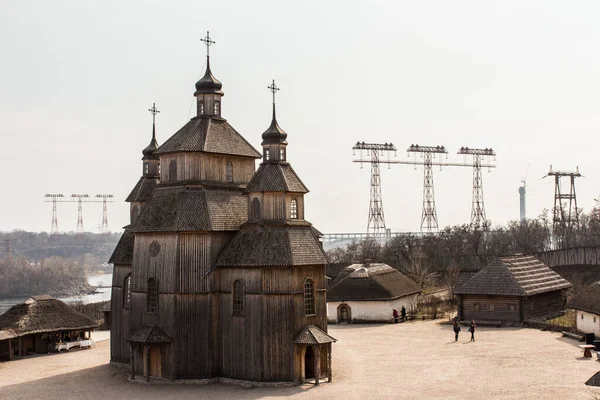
(367, 263)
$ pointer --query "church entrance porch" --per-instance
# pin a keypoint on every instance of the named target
(149, 344)
(312, 355)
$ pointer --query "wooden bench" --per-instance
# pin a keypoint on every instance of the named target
(587, 350)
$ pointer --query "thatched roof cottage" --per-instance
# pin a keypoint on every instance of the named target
(587, 304)
(38, 324)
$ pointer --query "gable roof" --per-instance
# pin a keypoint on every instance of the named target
(514, 276)
(276, 177)
(360, 282)
(587, 299)
(210, 135)
(313, 335)
(182, 209)
(40, 314)
(123, 252)
(281, 244)
(149, 333)
(142, 189)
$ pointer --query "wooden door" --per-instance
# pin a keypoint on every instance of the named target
(155, 369)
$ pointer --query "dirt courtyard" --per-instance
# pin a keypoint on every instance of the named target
(414, 360)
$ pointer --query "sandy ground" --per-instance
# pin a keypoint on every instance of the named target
(415, 360)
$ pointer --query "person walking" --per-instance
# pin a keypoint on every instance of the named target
(456, 330)
(403, 313)
(472, 330)
(395, 315)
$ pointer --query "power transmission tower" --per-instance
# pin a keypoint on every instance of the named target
(478, 207)
(54, 198)
(79, 200)
(562, 219)
(7, 248)
(105, 199)
(376, 221)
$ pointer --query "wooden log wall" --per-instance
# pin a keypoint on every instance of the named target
(574, 256)
(543, 304)
(500, 313)
(204, 166)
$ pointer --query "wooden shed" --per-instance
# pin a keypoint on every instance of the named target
(39, 324)
(369, 292)
(512, 288)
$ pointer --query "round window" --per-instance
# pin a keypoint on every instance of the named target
(154, 248)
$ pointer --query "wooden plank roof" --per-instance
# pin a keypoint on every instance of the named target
(275, 244)
(40, 314)
(311, 334)
(587, 299)
(149, 333)
(373, 282)
(210, 135)
(123, 252)
(142, 190)
(181, 209)
(519, 275)
(276, 177)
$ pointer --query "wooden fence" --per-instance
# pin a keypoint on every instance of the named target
(574, 256)
(92, 310)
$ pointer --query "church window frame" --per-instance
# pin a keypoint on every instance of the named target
(266, 156)
(172, 170)
(309, 297)
(294, 209)
(217, 108)
(201, 108)
(282, 154)
(255, 208)
(229, 171)
(127, 291)
(238, 298)
(152, 296)
(146, 168)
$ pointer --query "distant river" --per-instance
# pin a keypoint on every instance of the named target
(102, 295)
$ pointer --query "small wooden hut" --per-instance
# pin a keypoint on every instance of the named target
(38, 324)
(369, 293)
(512, 288)
(587, 304)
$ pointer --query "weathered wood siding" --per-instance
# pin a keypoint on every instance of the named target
(120, 328)
(545, 303)
(204, 166)
(573, 256)
(500, 312)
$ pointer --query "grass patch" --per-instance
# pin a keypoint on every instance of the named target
(567, 319)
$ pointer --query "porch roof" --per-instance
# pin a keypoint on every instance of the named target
(149, 333)
(313, 335)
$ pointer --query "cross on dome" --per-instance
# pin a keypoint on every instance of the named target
(274, 89)
(154, 111)
(208, 41)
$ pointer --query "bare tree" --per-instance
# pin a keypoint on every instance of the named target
(419, 271)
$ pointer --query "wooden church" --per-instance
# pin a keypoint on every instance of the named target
(219, 275)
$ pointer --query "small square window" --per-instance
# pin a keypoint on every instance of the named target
(512, 307)
(476, 306)
(492, 307)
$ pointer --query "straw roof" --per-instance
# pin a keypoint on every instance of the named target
(41, 314)
(587, 299)
(514, 276)
(368, 282)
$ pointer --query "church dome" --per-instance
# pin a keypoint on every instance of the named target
(274, 134)
(208, 84)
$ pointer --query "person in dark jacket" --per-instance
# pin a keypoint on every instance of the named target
(395, 315)
(472, 330)
(403, 313)
(456, 330)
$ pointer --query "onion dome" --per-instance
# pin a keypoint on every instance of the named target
(148, 152)
(208, 84)
(274, 134)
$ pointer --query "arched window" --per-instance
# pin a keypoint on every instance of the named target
(229, 171)
(309, 297)
(238, 298)
(255, 209)
(152, 296)
(127, 291)
(293, 209)
(172, 171)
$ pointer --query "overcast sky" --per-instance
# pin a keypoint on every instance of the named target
(522, 77)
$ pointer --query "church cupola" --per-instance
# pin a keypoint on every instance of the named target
(150, 159)
(208, 89)
(274, 138)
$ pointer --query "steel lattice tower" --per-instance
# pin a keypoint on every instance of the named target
(52, 197)
(79, 200)
(376, 220)
(105, 199)
(478, 206)
(562, 219)
(429, 220)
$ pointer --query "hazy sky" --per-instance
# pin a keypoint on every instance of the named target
(522, 77)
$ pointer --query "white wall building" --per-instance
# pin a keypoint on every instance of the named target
(369, 293)
(587, 305)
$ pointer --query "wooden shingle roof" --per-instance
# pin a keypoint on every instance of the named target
(123, 252)
(514, 276)
(282, 244)
(360, 282)
(311, 334)
(42, 314)
(149, 333)
(276, 177)
(210, 135)
(587, 299)
(142, 190)
(182, 209)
